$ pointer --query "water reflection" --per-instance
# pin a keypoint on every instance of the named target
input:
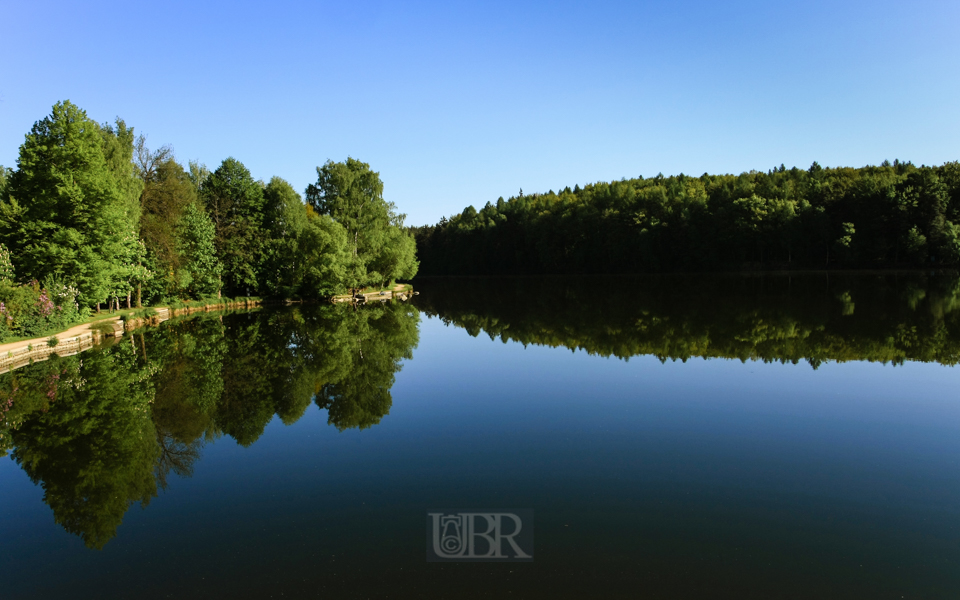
(103, 430)
(889, 318)
(107, 429)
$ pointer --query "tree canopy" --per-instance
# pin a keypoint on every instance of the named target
(352, 195)
(68, 210)
(93, 208)
(889, 215)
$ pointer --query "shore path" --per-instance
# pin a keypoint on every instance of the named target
(84, 328)
(63, 335)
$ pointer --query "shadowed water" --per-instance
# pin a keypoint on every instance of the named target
(749, 436)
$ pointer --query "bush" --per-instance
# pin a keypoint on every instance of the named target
(102, 326)
(53, 341)
(143, 313)
(33, 310)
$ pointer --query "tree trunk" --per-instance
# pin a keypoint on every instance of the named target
(98, 308)
(128, 300)
(139, 297)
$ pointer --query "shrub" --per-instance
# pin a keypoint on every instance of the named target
(102, 327)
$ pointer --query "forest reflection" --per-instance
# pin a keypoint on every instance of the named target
(105, 429)
(109, 428)
(885, 317)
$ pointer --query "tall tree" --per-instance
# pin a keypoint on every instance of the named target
(353, 195)
(66, 213)
(326, 257)
(284, 219)
(200, 269)
(397, 258)
(234, 202)
(130, 272)
(167, 193)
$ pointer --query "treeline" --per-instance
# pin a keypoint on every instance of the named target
(789, 319)
(92, 217)
(107, 429)
(890, 215)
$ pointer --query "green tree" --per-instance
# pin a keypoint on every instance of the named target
(200, 270)
(130, 273)
(326, 257)
(235, 203)
(352, 194)
(66, 212)
(284, 219)
(119, 147)
(167, 193)
(398, 256)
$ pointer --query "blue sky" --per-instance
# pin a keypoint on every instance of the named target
(457, 103)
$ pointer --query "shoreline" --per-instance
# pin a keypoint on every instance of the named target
(76, 339)
(85, 336)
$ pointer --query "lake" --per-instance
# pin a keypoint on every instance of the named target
(749, 436)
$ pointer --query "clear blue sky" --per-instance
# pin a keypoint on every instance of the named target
(457, 103)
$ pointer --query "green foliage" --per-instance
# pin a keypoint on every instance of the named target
(92, 206)
(118, 151)
(326, 258)
(398, 257)
(284, 221)
(103, 327)
(235, 203)
(67, 211)
(37, 309)
(52, 341)
(352, 195)
(201, 270)
(892, 215)
(167, 193)
(6, 265)
(143, 313)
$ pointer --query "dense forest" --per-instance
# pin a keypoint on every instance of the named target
(890, 215)
(93, 217)
(890, 318)
(106, 429)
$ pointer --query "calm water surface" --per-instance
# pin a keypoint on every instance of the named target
(741, 436)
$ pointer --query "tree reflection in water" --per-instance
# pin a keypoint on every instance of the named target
(103, 430)
(884, 317)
